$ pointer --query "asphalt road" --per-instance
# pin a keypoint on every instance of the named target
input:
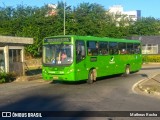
(114, 93)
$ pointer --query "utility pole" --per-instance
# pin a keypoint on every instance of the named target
(64, 20)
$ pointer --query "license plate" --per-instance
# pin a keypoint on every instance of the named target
(55, 77)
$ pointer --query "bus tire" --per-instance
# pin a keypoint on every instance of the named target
(127, 70)
(91, 76)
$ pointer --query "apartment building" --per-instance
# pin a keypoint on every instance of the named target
(119, 13)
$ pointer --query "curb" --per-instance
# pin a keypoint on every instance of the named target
(151, 63)
(147, 90)
(28, 78)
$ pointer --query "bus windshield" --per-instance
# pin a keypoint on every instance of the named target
(57, 54)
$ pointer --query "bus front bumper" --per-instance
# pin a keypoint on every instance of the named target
(64, 77)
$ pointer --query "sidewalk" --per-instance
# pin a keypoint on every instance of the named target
(29, 78)
(150, 86)
(24, 82)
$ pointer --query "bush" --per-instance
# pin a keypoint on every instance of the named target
(7, 77)
(151, 58)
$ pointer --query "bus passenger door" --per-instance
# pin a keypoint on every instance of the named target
(80, 67)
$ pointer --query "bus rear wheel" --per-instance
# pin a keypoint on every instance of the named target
(127, 70)
(91, 76)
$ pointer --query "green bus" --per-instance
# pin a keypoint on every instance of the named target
(75, 58)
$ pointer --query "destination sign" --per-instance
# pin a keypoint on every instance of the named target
(50, 40)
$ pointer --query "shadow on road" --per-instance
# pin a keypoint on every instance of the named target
(144, 75)
(50, 107)
(68, 82)
(85, 81)
(35, 103)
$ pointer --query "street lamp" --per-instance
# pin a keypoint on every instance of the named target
(64, 20)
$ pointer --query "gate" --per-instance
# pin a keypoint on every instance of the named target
(15, 61)
(16, 67)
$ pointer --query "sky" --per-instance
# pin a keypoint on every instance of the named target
(149, 8)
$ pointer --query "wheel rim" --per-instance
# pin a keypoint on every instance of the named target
(91, 76)
(127, 70)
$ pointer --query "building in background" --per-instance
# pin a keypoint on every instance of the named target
(150, 44)
(52, 10)
(119, 14)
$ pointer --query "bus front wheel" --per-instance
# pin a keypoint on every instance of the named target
(91, 76)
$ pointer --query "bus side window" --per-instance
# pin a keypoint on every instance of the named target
(130, 48)
(92, 47)
(80, 50)
(113, 48)
(122, 48)
(137, 48)
(103, 48)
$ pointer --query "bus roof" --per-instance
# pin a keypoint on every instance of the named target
(97, 38)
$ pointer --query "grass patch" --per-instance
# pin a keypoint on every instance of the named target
(7, 77)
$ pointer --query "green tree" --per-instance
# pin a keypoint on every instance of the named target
(89, 19)
(84, 19)
(146, 26)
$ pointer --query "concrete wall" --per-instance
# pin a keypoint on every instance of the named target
(33, 63)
